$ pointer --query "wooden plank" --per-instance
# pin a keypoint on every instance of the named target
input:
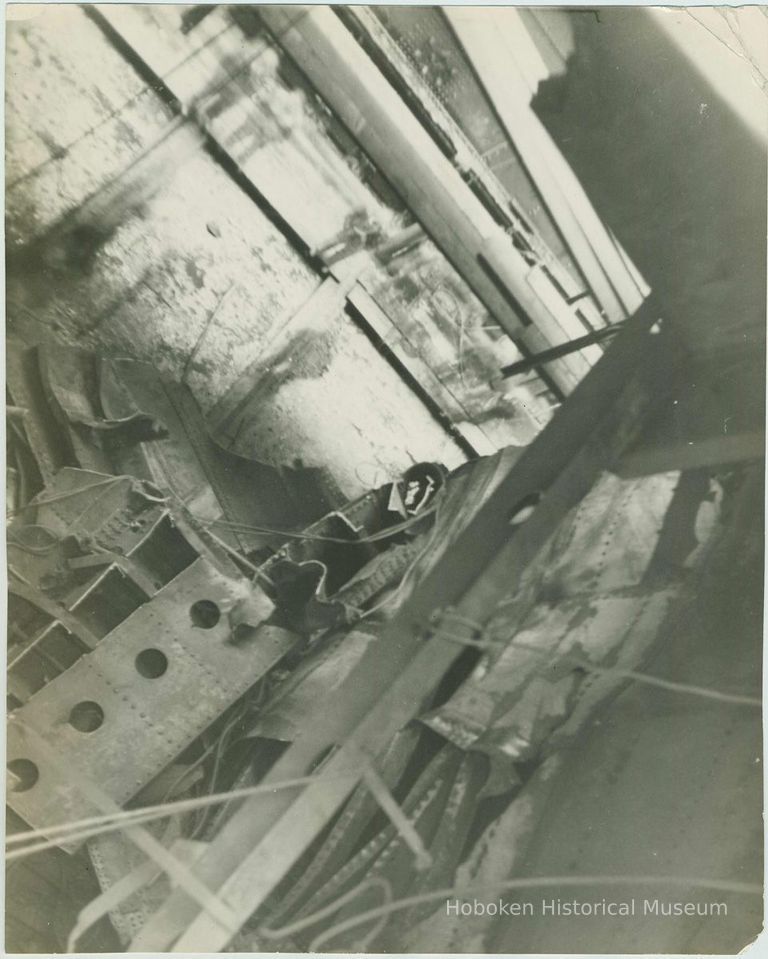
(263, 839)
(491, 41)
(467, 160)
(403, 150)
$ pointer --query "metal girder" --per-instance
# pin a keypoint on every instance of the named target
(121, 713)
(534, 362)
(260, 843)
(711, 452)
(714, 414)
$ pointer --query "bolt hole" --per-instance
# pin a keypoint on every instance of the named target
(205, 613)
(151, 663)
(23, 775)
(86, 717)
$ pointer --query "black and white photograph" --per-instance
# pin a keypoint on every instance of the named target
(385, 460)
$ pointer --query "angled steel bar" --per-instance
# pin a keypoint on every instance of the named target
(563, 349)
(255, 849)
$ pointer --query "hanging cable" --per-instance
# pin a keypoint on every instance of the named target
(579, 662)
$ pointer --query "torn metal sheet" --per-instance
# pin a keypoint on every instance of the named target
(609, 540)
(252, 855)
(511, 706)
(212, 482)
(462, 497)
(587, 601)
(25, 388)
(317, 676)
(116, 415)
(73, 381)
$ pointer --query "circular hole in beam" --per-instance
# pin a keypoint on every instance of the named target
(205, 613)
(151, 663)
(86, 717)
(23, 775)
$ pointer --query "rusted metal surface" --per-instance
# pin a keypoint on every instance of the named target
(230, 104)
(231, 110)
(143, 268)
(118, 415)
(591, 604)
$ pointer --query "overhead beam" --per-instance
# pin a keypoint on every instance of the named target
(480, 250)
(714, 415)
(711, 452)
(460, 150)
(494, 40)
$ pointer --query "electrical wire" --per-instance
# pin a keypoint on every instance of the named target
(221, 745)
(82, 829)
(316, 537)
(239, 558)
(579, 662)
(68, 495)
(372, 882)
(214, 747)
(395, 595)
(456, 892)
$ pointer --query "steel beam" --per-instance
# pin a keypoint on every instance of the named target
(261, 842)
(534, 362)
(714, 414)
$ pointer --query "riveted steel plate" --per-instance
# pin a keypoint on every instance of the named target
(153, 705)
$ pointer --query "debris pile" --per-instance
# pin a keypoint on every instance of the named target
(170, 638)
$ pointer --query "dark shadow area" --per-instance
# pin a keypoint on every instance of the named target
(670, 168)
